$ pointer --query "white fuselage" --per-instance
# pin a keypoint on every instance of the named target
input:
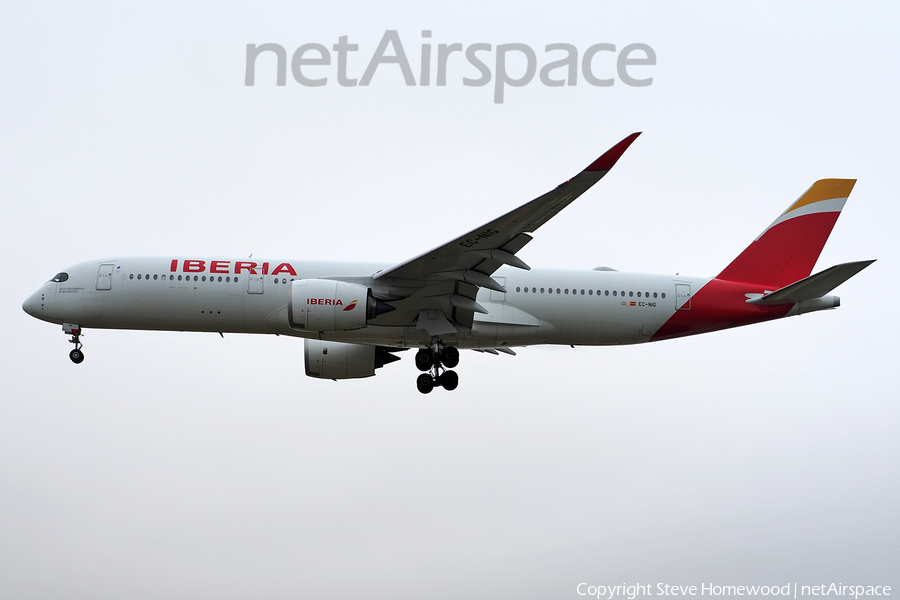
(597, 307)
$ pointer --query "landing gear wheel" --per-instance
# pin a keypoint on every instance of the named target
(450, 380)
(425, 383)
(435, 361)
(450, 357)
(424, 360)
(76, 355)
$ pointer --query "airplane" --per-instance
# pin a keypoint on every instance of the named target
(472, 292)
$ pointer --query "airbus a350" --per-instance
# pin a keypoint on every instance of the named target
(474, 292)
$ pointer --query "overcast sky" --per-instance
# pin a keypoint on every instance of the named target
(179, 465)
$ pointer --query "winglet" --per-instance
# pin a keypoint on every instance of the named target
(606, 162)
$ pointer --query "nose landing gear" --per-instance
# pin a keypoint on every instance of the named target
(76, 355)
(436, 362)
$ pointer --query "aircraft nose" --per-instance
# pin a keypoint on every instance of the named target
(33, 304)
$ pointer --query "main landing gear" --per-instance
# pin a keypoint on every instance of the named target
(436, 361)
(76, 355)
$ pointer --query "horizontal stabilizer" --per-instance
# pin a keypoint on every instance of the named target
(814, 286)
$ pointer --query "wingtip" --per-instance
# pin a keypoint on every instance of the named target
(606, 162)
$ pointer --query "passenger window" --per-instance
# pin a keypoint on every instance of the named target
(235, 279)
(131, 276)
(591, 292)
(663, 294)
(639, 294)
(614, 293)
(654, 294)
(220, 279)
(606, 293)
(582, 292)
(204, 278)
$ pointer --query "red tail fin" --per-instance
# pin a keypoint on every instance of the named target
(788, 249)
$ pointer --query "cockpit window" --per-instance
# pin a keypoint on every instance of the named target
(60, 277)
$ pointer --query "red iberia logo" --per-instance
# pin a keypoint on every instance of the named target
(326, 302)
(350, 306)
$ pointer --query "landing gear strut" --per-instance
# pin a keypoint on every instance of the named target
(436, 361)
(76, 355)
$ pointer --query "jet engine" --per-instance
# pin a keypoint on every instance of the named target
(337, 360)
(328, 305)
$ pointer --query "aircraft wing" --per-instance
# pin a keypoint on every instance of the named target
(472, 258)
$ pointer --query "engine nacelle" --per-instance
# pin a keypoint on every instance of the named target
(337, 360)
(328, 305)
